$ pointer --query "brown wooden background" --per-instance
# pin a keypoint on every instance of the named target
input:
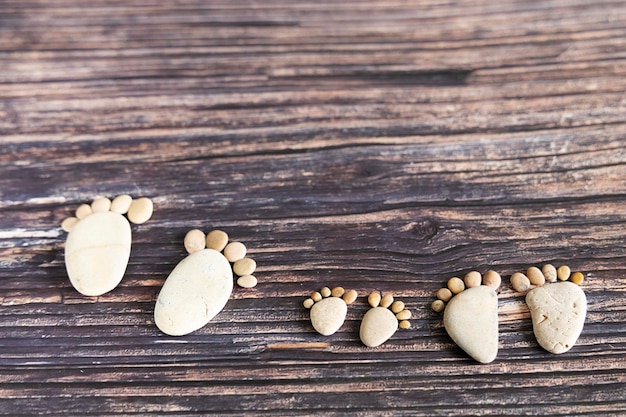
(375, 145)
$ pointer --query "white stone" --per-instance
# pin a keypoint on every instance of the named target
(328, 314)
(97, 252)
(471, 320)
(558, 313)
(195, 291)
(377, 326)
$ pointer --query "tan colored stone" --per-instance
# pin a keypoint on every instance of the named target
(248, 281)
(492, 279)
(235, 251)
(69, 223)
(247, 266)
(140, 210)
(377, 326)
(121, 203)
(535, 276)
(100, 204)
(328, 314)
(549, 272)
(217, 239)
(473, 279)
(194, 241)
(520, 282)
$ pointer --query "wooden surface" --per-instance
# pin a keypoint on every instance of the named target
(373, 145)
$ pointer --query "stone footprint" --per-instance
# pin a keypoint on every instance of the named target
(383, 319)
(328, 308)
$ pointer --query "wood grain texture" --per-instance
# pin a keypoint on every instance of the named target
(376, 145)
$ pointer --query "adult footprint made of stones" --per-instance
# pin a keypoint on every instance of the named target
(329, 308)
(471, 315)
(557, 309)
(383, 319)
(98, 242)
(200, 285)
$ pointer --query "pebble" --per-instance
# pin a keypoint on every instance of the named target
(386, 301)
(577, 278)
(194, 292)
(234, 251)
(456, 285)
(100, 204)
(140, 210)
(374, 299)
(444, 294)
(247, 266)
(217, 239)
(397, 306)
(121, 204)
(325, 291)
(97, 252)
(520, 282)
(438, 306)
(535, 276)
(328, 314)
(350, 296)
(194, 241)
(471, 320)
(473, 279)
(337, 292)
(377, 326)
(248, 281)
(492, 279)
(558, 314)
(83, 211)
(549, 272)
(69, 223)
(563, 272)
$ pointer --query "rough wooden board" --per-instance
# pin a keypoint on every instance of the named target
(373, 145)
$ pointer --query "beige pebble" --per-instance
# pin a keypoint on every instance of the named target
(492, 279)
(549, 272)
(558, 314)
(325, 291)
(444, 294)
(374, 299)
(97, 252)
(308, 303)
(472, 279)
(69, 223)
(535, 276)
(140, 210)
(563, 272)
(194, 292)
(216, 240)
(121, 204)
(404, 315)
(350, 296)
(328, 315)
(404, 324)
(337, 292)
(397, 306)
(194, 241)
(100, 204)
(456, 285)
(471, 320)
(520, 282)
(83, 211)
(377, 326)
(247, 281)
(386, 301)
(234, 251)
(438, 306)
(247, 266)
(316, 296)
(577, 278)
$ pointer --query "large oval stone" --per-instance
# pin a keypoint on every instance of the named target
(328, 314)
(97, 252)
(471, 320)
(195, 291)
(377, 326)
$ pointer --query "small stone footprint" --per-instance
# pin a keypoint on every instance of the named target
(98, 242)
(557, 310)
(329, 308)
(471, 316)
(383, 319)
(201, 284)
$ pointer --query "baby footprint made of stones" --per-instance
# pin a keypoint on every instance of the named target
(201, 284)
(383, 319)
(98, 242)
(329, 308)
(471, 315)
(557, 309)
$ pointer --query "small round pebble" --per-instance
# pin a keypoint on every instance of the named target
(308, 303)
(325, 291)
(577, 278)
(101, 204)
(492, 279)
(456, 285)
(397, 306)
(374, 299)
(438, 306)
(404, 324)
(69, 223)
(520, 282)
(248, 281)
(316, 296)
(337, 292)
(350, 296)
(473, 279)
(563, 272)
(403, 315)
(535, 276)
(194, 241)
(247, 266)
(444, 294)
(386, 301)
(121, 204)
(217, 240)
(83, 211)
(549, 272)
(140, 210)
(234, 251)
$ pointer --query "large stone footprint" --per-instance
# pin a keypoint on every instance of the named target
(201, 284)
(329, 308)
(471, 315)
(383, 319)
(558, 309)
(98, 243)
